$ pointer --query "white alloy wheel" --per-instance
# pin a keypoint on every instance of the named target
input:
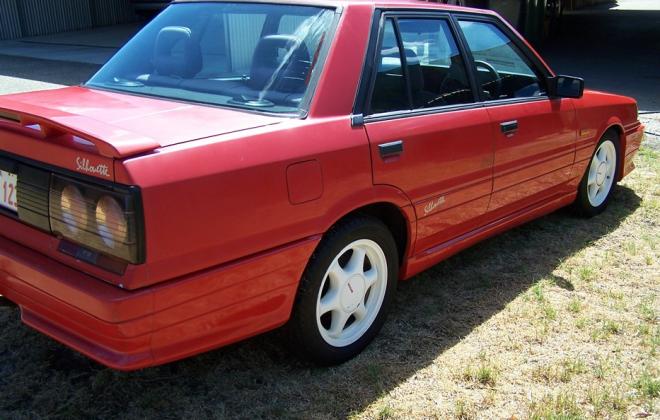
(351, 293)
(601, 173)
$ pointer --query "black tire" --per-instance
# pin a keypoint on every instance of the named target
(302, 332)
(582, 205)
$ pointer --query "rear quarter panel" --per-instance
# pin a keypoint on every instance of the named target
(213, 201)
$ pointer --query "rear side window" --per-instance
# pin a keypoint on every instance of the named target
(390, 87)
(435, 73)
(436, 70)
(502, 70)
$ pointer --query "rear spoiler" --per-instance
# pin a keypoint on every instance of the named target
(109, 141)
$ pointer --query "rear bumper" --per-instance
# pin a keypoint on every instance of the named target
(128, 330)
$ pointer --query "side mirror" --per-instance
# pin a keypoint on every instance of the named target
(565, 87)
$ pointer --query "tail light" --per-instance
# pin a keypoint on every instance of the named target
(103, 218)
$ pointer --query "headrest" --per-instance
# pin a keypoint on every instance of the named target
(267, 59)
(177, 53)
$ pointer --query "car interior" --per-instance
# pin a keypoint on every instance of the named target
(278, 73)
(247, 55)
(502, 70)
(433, 82)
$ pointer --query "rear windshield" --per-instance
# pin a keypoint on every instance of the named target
(246, 55)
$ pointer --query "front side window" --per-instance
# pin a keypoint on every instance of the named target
(502, 71)
(244, 55)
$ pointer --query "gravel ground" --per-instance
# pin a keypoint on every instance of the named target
(652, 123)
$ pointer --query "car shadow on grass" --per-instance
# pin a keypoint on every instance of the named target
(258, 378)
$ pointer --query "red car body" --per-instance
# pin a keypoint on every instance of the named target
(234, 203)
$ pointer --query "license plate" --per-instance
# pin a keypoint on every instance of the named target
(8, 182)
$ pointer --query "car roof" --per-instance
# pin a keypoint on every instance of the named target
(384, 4)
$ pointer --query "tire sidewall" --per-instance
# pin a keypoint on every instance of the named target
(584, 205)
(303, 321)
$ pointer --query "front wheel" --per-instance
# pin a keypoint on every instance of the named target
(596, 187)
(345, 292)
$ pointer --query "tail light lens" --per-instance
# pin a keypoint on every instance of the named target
(105, 219)
(111, 221)
(73, 207)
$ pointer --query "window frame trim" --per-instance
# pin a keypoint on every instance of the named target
(364, 89)
(404, 61)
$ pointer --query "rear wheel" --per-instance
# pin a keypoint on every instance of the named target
(599, 180)
(345, 292)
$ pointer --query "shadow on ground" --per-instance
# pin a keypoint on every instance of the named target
(257, 378)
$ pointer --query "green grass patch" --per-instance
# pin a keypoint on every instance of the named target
(561, 407)
(575, 306)
(647, 385)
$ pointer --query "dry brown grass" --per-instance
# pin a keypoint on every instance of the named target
(555, 319)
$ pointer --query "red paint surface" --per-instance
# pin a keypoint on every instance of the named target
(305, 181)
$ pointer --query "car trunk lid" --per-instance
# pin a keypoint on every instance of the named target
(113, 125)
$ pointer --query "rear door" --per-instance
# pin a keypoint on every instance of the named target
(429, 136)
(534, 135)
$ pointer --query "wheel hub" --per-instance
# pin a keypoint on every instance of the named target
(601, 173)
(342, 313)
(352, 293)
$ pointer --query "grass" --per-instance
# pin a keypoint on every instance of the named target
(557, 319)
(575, 306)
(607, 402)
(586, 273)
(464, 410)
(484, 374)
(561, 372)
(647, 310)
(648, 385)
(385, 412)
(560, 407)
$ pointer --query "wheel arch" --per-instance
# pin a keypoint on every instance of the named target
(386, 203)
(615, 126)
(394, 218)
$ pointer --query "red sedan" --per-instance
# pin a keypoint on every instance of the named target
(243, 166)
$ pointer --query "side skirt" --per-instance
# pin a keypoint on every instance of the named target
(434, 255)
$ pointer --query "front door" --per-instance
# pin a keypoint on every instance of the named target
(534, 135)
(429, 136)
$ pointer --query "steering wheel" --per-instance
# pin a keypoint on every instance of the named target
(497, 80)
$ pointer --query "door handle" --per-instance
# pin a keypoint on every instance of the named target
(390, 149)
(509, 126)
